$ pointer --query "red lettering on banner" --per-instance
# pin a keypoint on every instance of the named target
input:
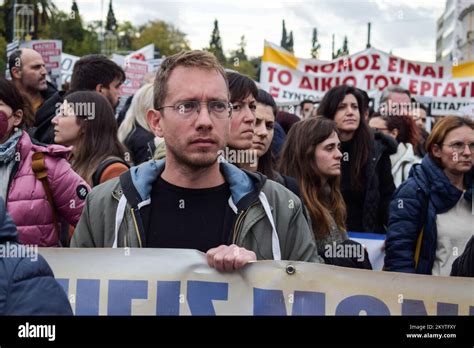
(369, 81)
(365, 60)
(463, 88)
(429, 71)
(44, 45)
(326, 83)
(384, 82)
(392, 63)
(413, 68)
(436, 86)
(274, 91)
(281, 76)
(395, 80)
(449, 90)
(271, 71)
(344, 65)
(305, 83)
(311, 68)
(402, 66)
(424, 86)
(375, 62)
(440, 72)
(331, 68)
(412, 86)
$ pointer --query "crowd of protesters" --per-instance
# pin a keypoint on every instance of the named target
(70, 176)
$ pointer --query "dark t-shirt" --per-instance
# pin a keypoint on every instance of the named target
(187, 218)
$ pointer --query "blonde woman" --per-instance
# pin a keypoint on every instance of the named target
(134, 131)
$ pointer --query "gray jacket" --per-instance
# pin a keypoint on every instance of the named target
(268, 219)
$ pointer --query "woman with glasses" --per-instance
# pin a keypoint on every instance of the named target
(430, 219)
(86, 122)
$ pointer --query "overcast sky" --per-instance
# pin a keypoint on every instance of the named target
(407, 27)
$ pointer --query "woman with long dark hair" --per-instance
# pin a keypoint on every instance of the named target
(366, 181)
(312, 156)
(86, 122)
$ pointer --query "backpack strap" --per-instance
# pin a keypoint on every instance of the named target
(41, 173)
(102, 166)
(418, 247)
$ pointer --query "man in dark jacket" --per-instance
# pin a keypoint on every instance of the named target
(27, 284)
(93, 72)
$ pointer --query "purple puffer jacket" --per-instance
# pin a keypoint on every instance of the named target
(27, 202)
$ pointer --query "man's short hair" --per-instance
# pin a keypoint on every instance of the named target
(189, 59)
(393, 89)
(95, 69)
(14, 59)
(306, 101)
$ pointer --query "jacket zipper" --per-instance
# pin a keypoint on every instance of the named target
(239, 222)
(136, 227)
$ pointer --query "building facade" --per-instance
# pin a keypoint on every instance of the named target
(455, 32)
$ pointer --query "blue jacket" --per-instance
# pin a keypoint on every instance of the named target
(415, 204)
(27, 285)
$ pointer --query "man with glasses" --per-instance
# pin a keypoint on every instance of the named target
(190, 199)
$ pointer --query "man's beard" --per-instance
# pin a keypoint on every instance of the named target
(193, 163)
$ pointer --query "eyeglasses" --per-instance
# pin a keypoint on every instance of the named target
(460, 146)
(187, 108)
(379, 129)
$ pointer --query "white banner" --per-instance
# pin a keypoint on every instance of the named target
(67, 65)
(179, 282)
(291, 79)
(135, 71)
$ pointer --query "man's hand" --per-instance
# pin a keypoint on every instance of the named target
(226, 258)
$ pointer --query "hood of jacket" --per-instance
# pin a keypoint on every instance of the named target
(244, 186)
(404, 154)
(27, 144)
(384, 143)
(435, 184)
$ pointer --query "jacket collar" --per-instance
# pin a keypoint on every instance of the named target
(404, 153)
(244, 186)
(434, 182)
